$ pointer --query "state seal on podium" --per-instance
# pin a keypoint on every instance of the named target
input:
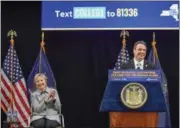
(134, 95)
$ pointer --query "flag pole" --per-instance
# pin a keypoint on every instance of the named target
(154, 47)
(3, 108)
(123, 34)
(41, 48)
(42, 42)
(12, 33)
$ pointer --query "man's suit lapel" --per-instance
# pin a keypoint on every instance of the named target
(145, 66)
(132, 64)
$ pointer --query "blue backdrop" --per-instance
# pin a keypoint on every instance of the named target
(60, 15)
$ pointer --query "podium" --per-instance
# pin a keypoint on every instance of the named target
(133, 98)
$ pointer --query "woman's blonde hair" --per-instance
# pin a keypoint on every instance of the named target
(40, 75)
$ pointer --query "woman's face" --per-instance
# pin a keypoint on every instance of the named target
(40, 83)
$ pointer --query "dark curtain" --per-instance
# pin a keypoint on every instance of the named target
(80, 61)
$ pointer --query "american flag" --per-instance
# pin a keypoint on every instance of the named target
(123, 57)
(12, 79)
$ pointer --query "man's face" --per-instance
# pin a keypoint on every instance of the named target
(139, 52)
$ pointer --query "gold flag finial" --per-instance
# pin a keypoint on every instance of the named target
(42, 41)
(123, 34)
(12, 34)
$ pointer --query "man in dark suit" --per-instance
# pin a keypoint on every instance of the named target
(139, 62)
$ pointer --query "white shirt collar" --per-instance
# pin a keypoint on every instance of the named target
(138, 62)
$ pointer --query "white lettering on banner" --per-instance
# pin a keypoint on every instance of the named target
(111, 14)
(96, 13)
(63, 14)
(127, 12)
(123, 12)
(89, 13)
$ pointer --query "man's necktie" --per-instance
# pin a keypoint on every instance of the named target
(138, 66)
